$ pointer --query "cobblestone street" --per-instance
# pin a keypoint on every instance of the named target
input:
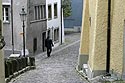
(59, 68)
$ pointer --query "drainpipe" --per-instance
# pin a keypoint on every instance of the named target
(12, 26)
(61, 20)
(108, 37)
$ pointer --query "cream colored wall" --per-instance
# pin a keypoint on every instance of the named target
(98, 11)
(97, 42)
(84, 43)
(2, 76)
(92, 12)
(118, 18)
(98, 34)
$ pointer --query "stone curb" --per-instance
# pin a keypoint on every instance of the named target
(7, 80)
(83, 76)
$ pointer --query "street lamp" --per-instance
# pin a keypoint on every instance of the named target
(23, 19)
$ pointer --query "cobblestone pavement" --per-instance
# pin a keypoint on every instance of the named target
(59, 68)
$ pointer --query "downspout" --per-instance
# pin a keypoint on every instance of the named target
(12, 26)
(61, 20)
(108, 37)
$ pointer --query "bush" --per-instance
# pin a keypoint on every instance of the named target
(13, 65)
(7, 73)
(24, 62)
(32, 61)
(10, 67)
(20, 63)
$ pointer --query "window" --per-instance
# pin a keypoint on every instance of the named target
(6, 14)
(36, 15)
(56, 34)
(55, 10)
(39, 12)
(49, 12)
(48, 33)
(43, 12)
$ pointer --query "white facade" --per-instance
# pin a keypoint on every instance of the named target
(55, 23)
(17, 24)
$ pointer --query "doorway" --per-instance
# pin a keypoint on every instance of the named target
(43, 41)
(34, 45)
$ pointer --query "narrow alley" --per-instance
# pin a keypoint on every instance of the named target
(59, 68)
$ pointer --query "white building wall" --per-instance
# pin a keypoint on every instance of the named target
(55, 22)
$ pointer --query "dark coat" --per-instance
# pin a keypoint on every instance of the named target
(48, 43)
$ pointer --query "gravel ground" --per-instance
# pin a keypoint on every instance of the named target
(59, 68)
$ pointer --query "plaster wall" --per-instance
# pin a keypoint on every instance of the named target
(98, 15)
(17, 24)
(117, 35)
(84, 43)
(98, 34)
(35, 28)
(2, 72)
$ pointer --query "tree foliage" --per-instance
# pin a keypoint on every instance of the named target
(67, 8)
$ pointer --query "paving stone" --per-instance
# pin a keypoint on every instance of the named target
(58, 68)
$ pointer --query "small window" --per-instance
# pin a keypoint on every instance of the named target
(44, 11)
(39, 12)
(56, 35)
(35, 13)
(55, 10)
(48, 33)
(6, 13)
(49, 12)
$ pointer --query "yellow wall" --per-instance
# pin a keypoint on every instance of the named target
(118, 17)
(97, 37)
(92, 12)
(98, 34)
(84, 43)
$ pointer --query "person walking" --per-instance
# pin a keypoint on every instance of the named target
(48, 45)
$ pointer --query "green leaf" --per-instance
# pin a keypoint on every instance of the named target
(67, 9)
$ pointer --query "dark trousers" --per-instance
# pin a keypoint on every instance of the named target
(49, 51)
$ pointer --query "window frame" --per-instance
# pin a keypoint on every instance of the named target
(56, 35)
(39, 12)
(35, 13)
(56, 13)
(49, 12)
(5, 16)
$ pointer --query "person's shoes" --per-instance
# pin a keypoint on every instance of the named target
(48, 55)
